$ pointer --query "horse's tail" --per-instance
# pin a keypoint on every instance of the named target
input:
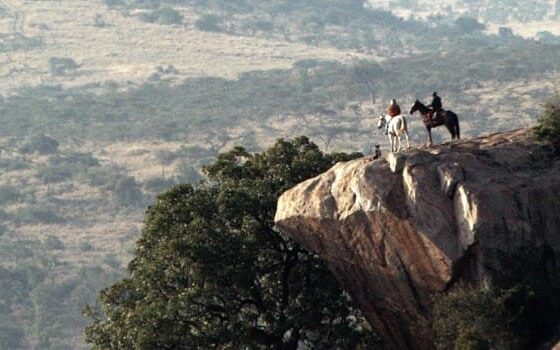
(457, 128)
(403, 127)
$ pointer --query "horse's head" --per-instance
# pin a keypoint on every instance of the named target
(415, 107)
(381, 122)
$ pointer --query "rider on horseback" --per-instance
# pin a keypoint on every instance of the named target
(393, 111)
(436, 107)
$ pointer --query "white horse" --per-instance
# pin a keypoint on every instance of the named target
(396, 127)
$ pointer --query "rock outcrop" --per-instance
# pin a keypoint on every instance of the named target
(399, 229)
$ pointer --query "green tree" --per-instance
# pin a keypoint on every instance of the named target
(549, 123)
(208, 23)
(473, 319)
(211, 271)
(41, 144)
(469, 25)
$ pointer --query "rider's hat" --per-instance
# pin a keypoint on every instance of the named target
(434, 93)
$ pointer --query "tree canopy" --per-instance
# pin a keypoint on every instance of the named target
(211, 270)
(549, 123)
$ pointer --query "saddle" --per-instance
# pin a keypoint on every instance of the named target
(435, 116)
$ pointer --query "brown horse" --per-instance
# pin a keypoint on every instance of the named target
(447, 118)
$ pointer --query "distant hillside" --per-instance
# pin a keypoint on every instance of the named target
(126, 50)
(525, 17)
(105, 104)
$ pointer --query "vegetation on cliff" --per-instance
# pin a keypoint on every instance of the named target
(549, 124)
(211, 270)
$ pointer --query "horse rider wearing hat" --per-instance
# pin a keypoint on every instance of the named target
(436, 106)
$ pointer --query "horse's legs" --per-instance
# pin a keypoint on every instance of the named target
(451, 130)
(430, 142)
(407, 140)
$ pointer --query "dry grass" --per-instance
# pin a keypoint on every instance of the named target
(127, 50)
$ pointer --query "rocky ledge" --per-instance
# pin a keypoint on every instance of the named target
(399, 229)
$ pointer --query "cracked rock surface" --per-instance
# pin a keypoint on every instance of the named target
(399, 229)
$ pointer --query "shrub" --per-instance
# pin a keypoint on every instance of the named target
(147, 4)
(167, 15)
(11, 336)
(469, 25)
(103, 177)
(54, 243)
(35, 215)
(99, 21)
(548, 127)
(53, 174)
(158, 184)
(62, 65)
(547, 37)
(4, 217)
(41, 144)
(260, 25)
(76, 159)
(148, 17)
(470, 318)
(114, 3)
(128, 192)
(208, 23)
(166, 157)
(13, 164)
(9, 194)
(86, 246)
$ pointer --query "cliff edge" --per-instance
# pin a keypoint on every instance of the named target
(399, 229)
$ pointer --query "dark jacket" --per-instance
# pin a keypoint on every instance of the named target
(436, 103)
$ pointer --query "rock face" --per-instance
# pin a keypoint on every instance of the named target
(395, 231)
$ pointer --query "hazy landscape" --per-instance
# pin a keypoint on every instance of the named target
(106, 104)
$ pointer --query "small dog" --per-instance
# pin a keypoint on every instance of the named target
(377, 152)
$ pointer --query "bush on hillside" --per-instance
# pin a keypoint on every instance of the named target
(52, 242)
(38, 215)
(62, 65)
(9, 194)
(13, 164)
(53, 174)
(41, 144)
(158, 184)
(167, 15)
(75, 159)
(114, 3)
(127, 191)
(549, 123)
(11, 336)
(208, 23)
(469, 25)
